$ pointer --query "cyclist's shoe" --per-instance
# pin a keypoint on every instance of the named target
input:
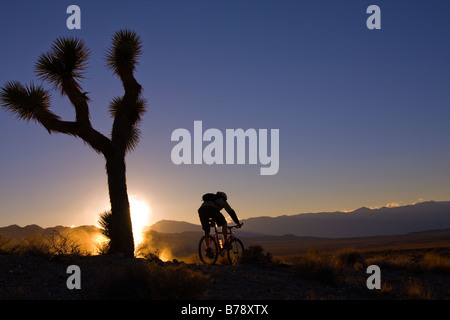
(209, 253)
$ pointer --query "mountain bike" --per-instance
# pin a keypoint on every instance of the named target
(211, 246)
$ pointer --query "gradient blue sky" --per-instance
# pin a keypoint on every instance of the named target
(364, 115)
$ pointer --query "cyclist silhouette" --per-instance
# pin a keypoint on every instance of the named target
(210, 209)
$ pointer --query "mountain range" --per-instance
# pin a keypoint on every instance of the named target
(362, 222)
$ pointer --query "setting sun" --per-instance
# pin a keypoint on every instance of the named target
(140, 215)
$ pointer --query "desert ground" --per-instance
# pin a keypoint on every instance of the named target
(412, 267)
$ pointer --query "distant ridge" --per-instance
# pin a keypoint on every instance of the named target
(20, 233)
(362, 222)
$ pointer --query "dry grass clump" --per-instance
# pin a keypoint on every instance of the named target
(433, 262)
(416, 290)
(324, 267)
(413, 261)
(400, 270)
(255, 255)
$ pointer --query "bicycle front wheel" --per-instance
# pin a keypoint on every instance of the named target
(208, 249)
(235, 252)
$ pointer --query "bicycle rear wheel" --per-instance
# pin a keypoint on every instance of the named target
(208, 249)
(235, 252)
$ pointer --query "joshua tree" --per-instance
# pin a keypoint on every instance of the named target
(63, 66)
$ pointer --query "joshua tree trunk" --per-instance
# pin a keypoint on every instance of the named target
(121, 231)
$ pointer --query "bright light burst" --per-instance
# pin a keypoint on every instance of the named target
(140, 216)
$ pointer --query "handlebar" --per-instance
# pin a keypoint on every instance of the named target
(237, 226)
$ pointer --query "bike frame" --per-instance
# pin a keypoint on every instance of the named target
(230, 236)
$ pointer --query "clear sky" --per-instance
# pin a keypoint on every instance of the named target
(363, 115)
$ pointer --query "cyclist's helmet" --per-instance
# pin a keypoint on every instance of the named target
(222, 195)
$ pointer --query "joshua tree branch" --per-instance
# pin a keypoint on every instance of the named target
(79, 101)
(33, 103)
(95, 139)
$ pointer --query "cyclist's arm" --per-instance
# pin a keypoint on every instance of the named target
(229, 210)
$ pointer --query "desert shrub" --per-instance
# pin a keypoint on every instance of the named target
(58, 244)
(350, 257)
(255, 255)
(5, 245)
(31, 245)
(319, 266)
(141, 279)
(55, 244)
(35, 245)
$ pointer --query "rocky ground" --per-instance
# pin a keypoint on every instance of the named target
(41, 278)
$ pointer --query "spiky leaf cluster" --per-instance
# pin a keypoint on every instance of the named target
(64, 64)
(25, 102)
(126, 48)
(135, 117)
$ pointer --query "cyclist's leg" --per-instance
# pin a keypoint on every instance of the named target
(204, 215)
(225, 232)
(221, 222)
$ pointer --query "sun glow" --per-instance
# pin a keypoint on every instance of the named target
(140, 216)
